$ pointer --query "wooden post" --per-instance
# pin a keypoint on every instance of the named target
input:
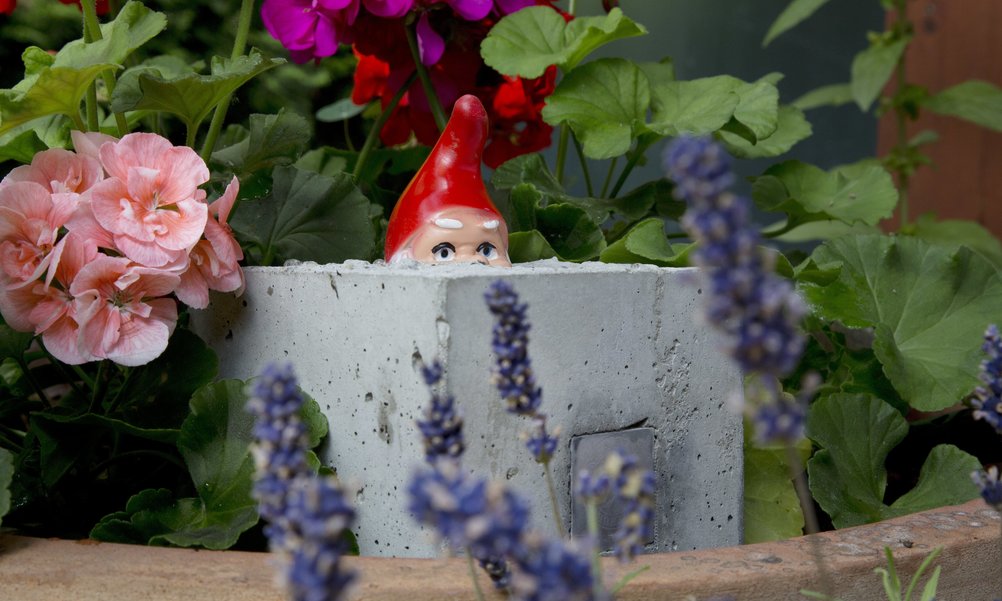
(955, 40)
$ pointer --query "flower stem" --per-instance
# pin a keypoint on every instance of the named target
(90, 99)
(591, 511)
(32, 382)
(370, 140)
(584, 166)
(565, 132)
(473, 576)
(219, 116)
(100, 385)
(810, 518)
(93, 29)
(608, 177)
(554, 505)
(429, 88)
(643, 143)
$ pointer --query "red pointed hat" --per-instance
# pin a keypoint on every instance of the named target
(449, 178)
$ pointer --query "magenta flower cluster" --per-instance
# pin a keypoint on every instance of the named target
(312, 29)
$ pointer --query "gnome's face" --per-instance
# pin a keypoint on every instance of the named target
(461, 235)
(445, 213)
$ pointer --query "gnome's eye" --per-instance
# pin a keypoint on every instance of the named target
(444, 251)
(488, 251)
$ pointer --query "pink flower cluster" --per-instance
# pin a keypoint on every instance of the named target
(94, 242)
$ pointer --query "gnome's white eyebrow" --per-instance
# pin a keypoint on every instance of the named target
(490, 225)
(449, 224)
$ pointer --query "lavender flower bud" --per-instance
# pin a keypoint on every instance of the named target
(988, 398)
(991, 488)
(442, 426)
(512, 374)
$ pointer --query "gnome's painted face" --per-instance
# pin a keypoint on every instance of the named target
(445, 214)
(460, 235)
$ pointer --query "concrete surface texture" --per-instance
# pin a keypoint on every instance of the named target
(613, 346)
(43, 570)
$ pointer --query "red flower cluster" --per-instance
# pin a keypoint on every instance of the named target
(514, 104)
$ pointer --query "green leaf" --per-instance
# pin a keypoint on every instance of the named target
(6, 477)
(771, 509)
(758, 108)
(871, 69)
(12, 342)
(276, 139)
(660, 72)
(528, 168)
(156, 395)
(848, 477)
(976, 101)
(646, 243)
(92, 421)
(862, 193)
(214, 443)
(832, 95)
(524, 199)
(928, 305)
(320, 161)
(529, 246)
(605, 102)
(532, 169)
(795, 12)
(309, 217)
(54, 91)
(638, 202)
(791, 127)
(945, 479)
(133, 26)
(526, 42)
(192, 96)
(339, 111)
(825, 230)
(573, 236)
(957, 232)
(696, 107)
(22, 148)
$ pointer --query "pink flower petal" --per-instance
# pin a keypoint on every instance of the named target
(472, 10)
(141, 340)
(89, 143)
(139, 149)
(390, 9)
(16, 306)
(182, 228)
(149, 254)
(430, 44)
(193, 289)
(62, 341)
(506, 7)
(59, 170)
(221, 207)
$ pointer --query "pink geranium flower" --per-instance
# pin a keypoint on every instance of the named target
(120, 313)
(30, 218)
(47, 308)
(58, 170)
(150, 203)
(215, 259)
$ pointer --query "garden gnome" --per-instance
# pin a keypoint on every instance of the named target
(445, 214)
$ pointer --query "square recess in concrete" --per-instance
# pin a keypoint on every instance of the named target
(588, 453)
(612, 346)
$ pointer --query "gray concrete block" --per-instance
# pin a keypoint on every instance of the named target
(613, 347)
